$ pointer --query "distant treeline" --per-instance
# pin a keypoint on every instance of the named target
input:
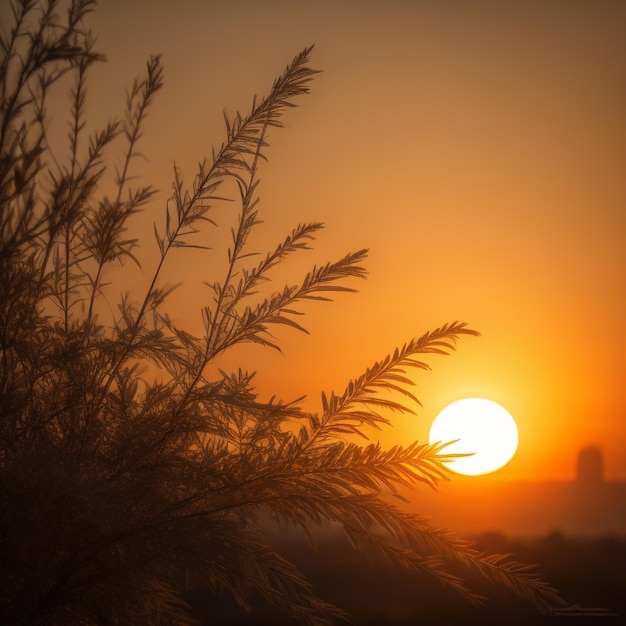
(589, 573)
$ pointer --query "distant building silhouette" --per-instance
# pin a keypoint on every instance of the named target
(590, 466)
(589, 505)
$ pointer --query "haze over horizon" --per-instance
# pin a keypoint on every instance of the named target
(588, 506)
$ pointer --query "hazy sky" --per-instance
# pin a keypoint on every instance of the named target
(476, 148)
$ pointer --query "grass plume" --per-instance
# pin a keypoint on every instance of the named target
(112, 485)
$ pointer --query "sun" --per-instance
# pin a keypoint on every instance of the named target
(481, 427)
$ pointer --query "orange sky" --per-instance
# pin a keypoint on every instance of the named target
(477, 148)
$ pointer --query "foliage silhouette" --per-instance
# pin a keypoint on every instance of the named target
(114, 483)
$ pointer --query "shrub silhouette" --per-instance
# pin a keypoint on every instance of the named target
(114, 484)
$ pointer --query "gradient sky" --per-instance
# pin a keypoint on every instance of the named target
(477, 148)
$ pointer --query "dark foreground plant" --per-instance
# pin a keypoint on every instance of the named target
(113, 484)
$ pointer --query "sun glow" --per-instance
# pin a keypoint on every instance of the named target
(476, 426)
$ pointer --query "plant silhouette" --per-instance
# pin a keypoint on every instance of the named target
(115, 484)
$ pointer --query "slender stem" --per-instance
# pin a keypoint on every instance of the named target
(66, 293)
(31, 65)
(190, 202)
(74, 163)
(216, 328)
(150, 87)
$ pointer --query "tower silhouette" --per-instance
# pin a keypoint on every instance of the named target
(590, 466)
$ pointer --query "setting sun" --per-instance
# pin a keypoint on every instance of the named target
(480, 427)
